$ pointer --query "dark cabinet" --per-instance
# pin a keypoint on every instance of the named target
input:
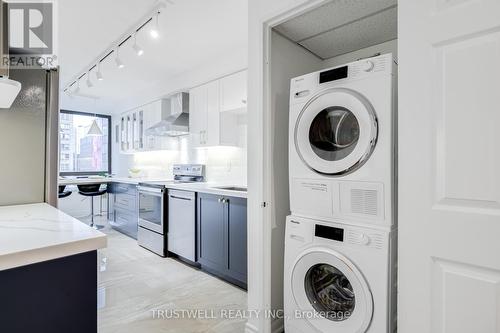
(237, 238)
(123, 212)
(212, 243)
(222, 236)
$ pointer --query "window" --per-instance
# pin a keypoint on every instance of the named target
(80, 153)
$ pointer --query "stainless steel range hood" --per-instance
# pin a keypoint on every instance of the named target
(175, 118)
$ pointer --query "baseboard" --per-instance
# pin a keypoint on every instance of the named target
(277, 325)
(249, 328)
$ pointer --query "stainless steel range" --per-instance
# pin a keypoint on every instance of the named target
(153, 214)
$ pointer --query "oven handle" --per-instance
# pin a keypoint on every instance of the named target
(150, 190)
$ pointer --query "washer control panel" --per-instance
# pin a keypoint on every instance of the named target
(303, 232)
(369, 239)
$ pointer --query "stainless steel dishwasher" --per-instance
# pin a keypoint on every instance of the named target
(181, 234)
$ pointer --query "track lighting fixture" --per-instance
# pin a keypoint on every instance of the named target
(151, 21)
(98, 74)
(155, 30)
(138, 50)
(118, 61)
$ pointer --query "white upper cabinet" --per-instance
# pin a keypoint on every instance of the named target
(214, 110)
(211, 120)
(233, 92)
(152, 116)
(212, 133)
(134, 127)
(198, 115)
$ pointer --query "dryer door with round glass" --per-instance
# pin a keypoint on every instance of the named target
(331, 293)
(336, 131)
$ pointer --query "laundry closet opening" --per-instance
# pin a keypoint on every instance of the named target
(327, 36)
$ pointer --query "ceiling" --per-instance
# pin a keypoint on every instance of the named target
(343, 26)
(194, 34)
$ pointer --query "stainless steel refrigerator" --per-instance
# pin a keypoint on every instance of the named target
(29, 136)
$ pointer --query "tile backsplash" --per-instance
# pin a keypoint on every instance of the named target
(223, 164)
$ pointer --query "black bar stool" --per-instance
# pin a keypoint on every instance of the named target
(92, 190)
(63, 193)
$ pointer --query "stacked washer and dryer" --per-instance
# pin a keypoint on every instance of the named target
(341, 237)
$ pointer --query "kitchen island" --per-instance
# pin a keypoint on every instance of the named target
(48, 271)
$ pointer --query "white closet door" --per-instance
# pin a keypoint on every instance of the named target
(449, 166)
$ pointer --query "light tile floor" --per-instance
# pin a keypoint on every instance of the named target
(134, 283)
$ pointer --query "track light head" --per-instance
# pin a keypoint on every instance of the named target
(138, 50)
(89, 83)
(98, 74)
(118, 61)
(155, 30)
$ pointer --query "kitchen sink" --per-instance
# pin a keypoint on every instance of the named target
(231, 188)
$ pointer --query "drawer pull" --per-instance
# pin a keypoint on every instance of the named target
(180, 198)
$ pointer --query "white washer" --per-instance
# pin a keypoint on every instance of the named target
(339, 278)
(342, 143)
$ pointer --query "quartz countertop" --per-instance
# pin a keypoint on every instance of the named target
(204, 187)
(103, 180)
(38, 232)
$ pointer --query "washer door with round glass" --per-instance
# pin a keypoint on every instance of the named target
(336, 132)
(331, 293)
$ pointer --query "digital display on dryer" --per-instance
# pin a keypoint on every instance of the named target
(332, 233)
(333, 74)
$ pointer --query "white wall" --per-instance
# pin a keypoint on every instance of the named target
(288, 60)
(259, 181)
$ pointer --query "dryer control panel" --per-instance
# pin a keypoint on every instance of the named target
(305, 85)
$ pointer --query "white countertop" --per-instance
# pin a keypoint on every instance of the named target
(39, 232)
(208, 187)
(103, 180)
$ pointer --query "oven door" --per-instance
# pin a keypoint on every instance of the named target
(151, 209)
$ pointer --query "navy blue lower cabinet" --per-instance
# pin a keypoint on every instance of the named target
(123, 210)
(55, 296)
(236, 208)
(212, 237)
(222, 237)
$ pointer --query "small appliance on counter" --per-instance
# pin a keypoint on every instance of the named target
(153, 207)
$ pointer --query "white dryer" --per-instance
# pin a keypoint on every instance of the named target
(342, 143)
(339, 278)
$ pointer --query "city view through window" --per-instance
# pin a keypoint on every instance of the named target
(80, 152)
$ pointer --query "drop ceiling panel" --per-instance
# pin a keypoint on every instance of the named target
(359, 34)
(330, 16)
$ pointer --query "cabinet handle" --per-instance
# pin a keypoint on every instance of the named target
(180, 198)
(244, 101)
